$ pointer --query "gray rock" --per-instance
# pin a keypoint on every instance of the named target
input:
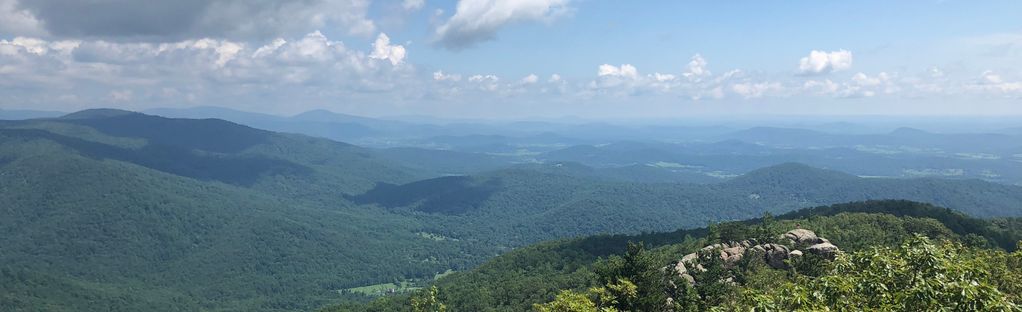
(826, 250)
(802, 236)
(732, 254)
(680, 268)
(775, 255)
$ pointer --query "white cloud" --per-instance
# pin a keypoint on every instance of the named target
(482, 78)
(990, 77)
(865, 80)
(208, 70)
(18, 21)
(696, 69)
(530, 79)
(663, 77)
(554, 78)
(485, 82)
(269, 48)
(383, 50)
(475, 21)
(624, 71)
(312, 48)
(857, 86)
(821, 87)
(750, 90)
(994, 83)
(413, 5)
(821, 62)
(440, 76)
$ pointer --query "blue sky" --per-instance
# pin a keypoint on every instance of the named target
(517, 59)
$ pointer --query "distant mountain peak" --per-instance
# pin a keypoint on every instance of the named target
(322, 115)
(790, 173)
(99, 113)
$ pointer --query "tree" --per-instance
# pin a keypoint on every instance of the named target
(429, 302)
(916, 276)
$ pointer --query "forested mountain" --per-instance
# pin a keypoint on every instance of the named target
(537, 274)
(521, 206)
(115, 210)
(216, 150)
(106, 211)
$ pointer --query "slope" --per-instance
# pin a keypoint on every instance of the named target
(535, 274)
(101, 215)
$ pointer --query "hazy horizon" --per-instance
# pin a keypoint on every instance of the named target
(517, 59)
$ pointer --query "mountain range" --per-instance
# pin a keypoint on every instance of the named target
(116, 210)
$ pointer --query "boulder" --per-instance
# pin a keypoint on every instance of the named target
(682, 271)
(802, 236)
(680, 268)
(775, 255)
(795, 253)
(826, 250)
(732, 254)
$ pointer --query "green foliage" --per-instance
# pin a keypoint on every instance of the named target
(597, 299)
(93, 223)
(428, 302)
(919, 275)
(523, 278)
(636, 279)
(151, 213)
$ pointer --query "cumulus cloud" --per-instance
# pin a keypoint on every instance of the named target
(530, 79)
(18, 21)
(821, 87)
(483, 78)
(211, 70)
(857, 86)
(696, 82)
(696, 69)
(485, 82)
(663, 77)
(168, 21)
(756, 90)
(383, 50)
(623, 71)
(992, 82)
(822, 62)
(440, 76)
(475, 21)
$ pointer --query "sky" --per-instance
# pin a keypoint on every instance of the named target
(516, 59)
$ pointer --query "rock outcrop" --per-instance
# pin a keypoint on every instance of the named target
(772, 254)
